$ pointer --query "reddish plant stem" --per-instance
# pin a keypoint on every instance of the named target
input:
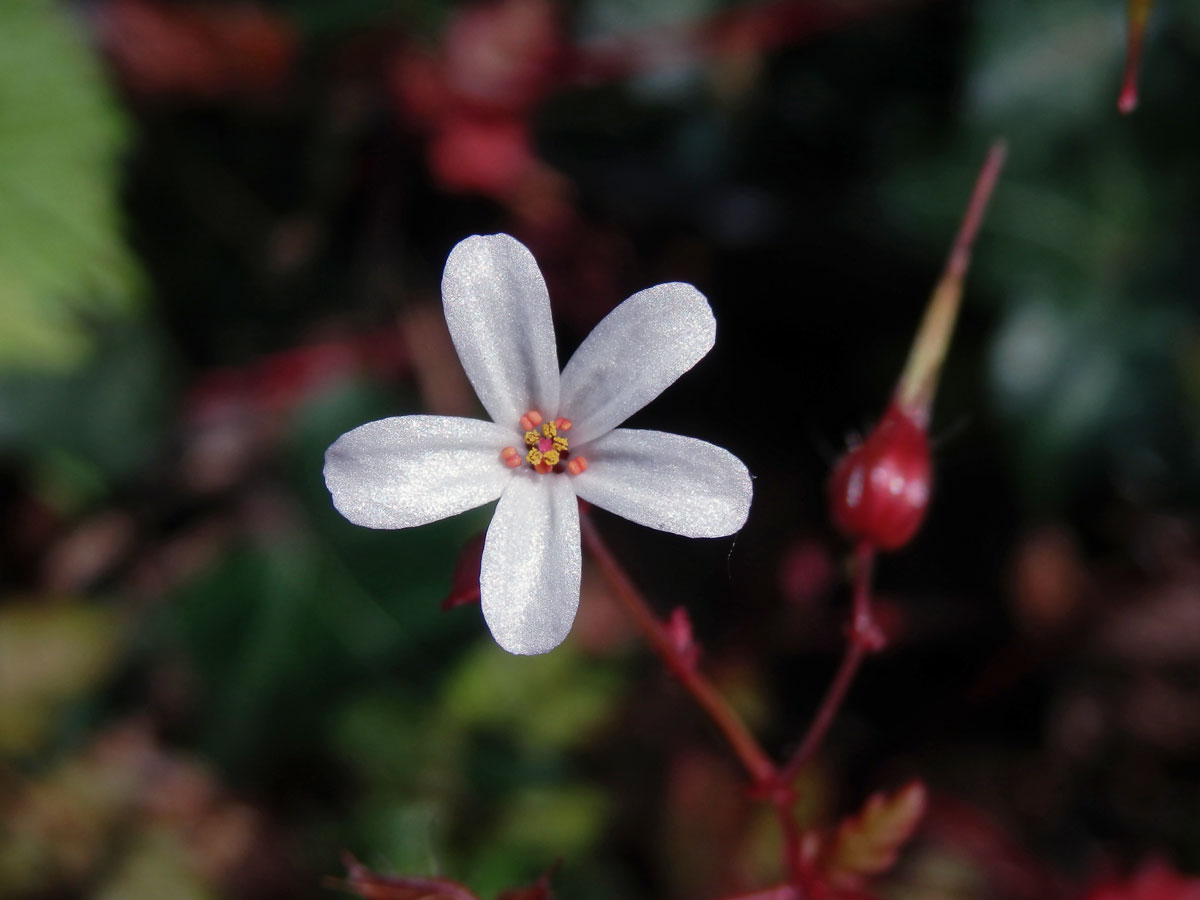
(1139, 16)
(861, 638)
(754, 759)
(771, 783)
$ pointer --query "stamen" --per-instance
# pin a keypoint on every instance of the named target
(547, 445)
(576, 465)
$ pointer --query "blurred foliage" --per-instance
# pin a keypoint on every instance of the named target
(211, 684)
(50, 655)
(63, 263)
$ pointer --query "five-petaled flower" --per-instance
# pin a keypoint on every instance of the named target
(552, 439)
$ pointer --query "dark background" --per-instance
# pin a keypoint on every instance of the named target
(221, 235)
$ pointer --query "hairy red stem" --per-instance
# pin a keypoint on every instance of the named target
(862, 636)
(768, 785)
(756, 762)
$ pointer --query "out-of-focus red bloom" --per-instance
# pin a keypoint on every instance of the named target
(481, 154)
(464, 583)
(276, 383)
(474, 98)
(206, 51)
(501, 55)
(1153, 881)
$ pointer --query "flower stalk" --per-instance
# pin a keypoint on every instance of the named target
(1139, 18)
(878, 495)
(918, 381)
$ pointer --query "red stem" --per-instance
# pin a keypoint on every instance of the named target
(861, 637)
(762, 771)
(1139, 15)
(756, 762)
(985, 184)
(771, 784)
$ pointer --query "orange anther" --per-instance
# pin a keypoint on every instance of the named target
(576, 465)
(543, 468)
(511, 457)
(562, 424)
(531, 420)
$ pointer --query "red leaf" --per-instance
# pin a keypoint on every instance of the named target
(867, 844)
(367, 884)
(1153, 881)
(539, 890)
(464, 584)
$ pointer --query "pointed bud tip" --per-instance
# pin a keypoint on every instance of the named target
(1128, 101)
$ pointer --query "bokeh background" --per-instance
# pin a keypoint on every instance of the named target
(222, 228)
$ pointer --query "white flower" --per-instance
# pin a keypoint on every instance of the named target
(552, 439)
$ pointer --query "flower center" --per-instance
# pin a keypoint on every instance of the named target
(548, 448)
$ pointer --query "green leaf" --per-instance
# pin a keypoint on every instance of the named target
(62, 259)
(50, 655)
(555, 700)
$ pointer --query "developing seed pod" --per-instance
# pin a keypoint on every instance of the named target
(879, 490)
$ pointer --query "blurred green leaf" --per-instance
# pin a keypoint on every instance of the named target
(555, 700)
(62, 259)
(537, 827)
(101, 421)
(50, 655)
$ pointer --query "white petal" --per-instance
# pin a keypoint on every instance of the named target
(498, 312)
(635, 352)
(409, 470)
(529, 580)
(667, 481)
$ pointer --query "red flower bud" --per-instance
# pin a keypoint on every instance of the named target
(879, 489)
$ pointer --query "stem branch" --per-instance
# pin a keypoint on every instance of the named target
(861, 637)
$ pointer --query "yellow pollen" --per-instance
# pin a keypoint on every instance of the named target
(550, 457)
(534, 456)
(531, 438)
(549, 430)
(560, 444)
